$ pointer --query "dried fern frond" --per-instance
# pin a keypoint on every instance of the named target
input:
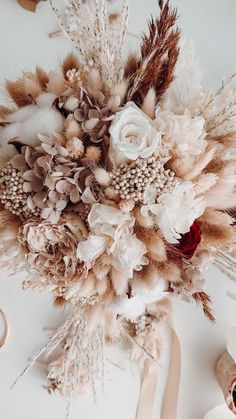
(98, 38)
(204, 299)
(159, 54)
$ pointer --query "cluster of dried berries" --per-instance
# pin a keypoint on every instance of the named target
(130, 181)
(13, 194)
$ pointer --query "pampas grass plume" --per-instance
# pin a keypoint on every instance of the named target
(170, 271)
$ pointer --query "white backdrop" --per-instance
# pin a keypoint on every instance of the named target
(24, 43)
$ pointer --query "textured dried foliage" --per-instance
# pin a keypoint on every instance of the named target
(204, 299)
(159, 54)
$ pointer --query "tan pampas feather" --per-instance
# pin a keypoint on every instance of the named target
(70, 62)
(228, 140)
(218, 230)
(4, 114)
(149, 103)
(170, 271)
(17, 92)
(131, 66)
(159, 54)
(189, 169)
(148, 275)
(56, 83)
(43, 78)
(153, 242)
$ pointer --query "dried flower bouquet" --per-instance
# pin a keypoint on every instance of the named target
(117, 186)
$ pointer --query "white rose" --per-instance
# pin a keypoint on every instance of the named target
(184, 133)
(132, 136)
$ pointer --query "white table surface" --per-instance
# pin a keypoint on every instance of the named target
(24, 43)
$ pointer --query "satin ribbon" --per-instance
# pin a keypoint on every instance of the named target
(149, 382)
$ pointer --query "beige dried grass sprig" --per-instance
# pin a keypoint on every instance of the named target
(100, 42)
(159, 54)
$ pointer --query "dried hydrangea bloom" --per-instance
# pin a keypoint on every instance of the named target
(51, 249)
(50, 178)
(91, 108)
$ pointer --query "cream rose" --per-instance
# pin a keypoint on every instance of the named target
(132, 136)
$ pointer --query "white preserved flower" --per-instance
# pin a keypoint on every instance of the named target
(132, 136)
(174, 212)
(184, 133)
(135, 306)
(112, 231)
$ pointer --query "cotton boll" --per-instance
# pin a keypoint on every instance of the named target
(44, 121)
(148, 295)
(22, 114)
(32, 120)
(130, 308)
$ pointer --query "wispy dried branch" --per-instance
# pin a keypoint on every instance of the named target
(98, 37)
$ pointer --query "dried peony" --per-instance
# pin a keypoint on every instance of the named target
(132, 136)
(184, 133)
(51, 249)
(174, 212)
(111, 231)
